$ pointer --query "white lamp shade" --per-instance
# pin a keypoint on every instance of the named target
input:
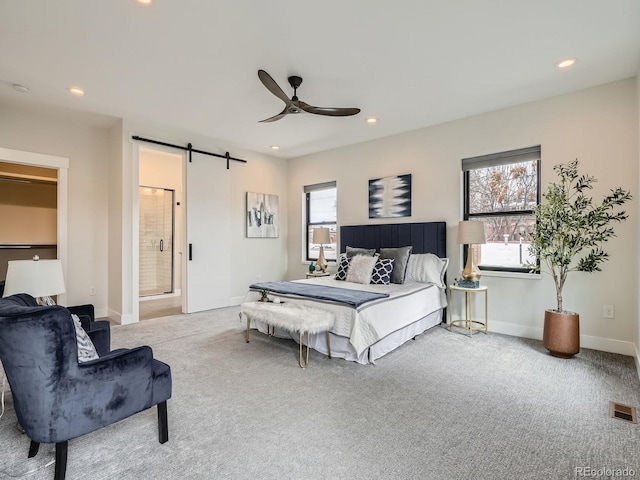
(320, 235)
(471, 233)
(38, 278)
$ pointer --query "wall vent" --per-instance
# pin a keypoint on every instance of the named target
(623, 412)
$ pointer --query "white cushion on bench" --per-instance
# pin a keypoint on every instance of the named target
(289, 316)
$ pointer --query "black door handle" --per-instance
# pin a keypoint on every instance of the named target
(161, 245)
(190, 251)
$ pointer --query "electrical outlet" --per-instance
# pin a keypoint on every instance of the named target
(607, 311)
(92, 290)
(258, 278)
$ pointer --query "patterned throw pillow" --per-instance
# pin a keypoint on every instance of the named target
(343, 267)
(381, 274)
(86, 349)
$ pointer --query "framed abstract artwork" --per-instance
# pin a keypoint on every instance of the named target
(390, 197)
(263, 215)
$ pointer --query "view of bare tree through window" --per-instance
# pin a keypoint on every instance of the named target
(503, 196)
(322, 212)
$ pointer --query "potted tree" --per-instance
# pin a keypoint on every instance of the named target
(568, 236)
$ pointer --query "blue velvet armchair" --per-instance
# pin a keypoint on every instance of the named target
(56, 398)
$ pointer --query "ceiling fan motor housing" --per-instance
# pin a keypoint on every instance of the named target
(295, 81)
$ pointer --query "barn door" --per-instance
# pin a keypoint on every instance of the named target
(208, 264)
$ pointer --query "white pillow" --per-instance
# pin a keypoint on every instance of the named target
(86, 348)
(360, 269)
(426, 268)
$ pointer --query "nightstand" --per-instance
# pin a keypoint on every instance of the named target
(314, 274)
(468, 323)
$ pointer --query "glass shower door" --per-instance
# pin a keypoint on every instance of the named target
(156, 240)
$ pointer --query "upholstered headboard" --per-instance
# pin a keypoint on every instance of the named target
(425, 237)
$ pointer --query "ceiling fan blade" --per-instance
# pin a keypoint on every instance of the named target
(276, 117)
(272, 86)
(329, 111)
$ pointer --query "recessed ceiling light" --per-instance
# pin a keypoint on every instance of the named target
(566, 63)
(20, 88)
(77, 91)
(275, 147)
(371, 120)
(144, 2)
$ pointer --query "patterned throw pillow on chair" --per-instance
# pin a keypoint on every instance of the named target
(381, 274)
(86, 349)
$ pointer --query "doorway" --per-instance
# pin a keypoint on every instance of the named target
(156, 241)
(60, 166)
(161, 230)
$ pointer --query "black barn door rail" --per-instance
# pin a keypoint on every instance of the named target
(189, 149)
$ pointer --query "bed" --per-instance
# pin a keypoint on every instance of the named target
(366, 332)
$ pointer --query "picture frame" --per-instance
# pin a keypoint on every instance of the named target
(390, 197)
(262, 215)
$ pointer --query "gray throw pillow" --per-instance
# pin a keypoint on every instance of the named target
(86, 349)
(353, 251)
(400, 256)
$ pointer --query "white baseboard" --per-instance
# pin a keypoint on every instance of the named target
(608, 345)
(515, 330)
(637, 359)
(586, 341)
(120, 319)
(102, 312)
(237, 300)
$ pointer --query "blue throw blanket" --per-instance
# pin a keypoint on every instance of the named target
(341, 295)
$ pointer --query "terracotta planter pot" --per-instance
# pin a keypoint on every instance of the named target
(561, 334)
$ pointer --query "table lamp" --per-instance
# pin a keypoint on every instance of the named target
(471, 233)
(321, 236)
(39, 278)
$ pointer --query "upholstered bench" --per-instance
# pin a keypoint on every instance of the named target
(291, 318)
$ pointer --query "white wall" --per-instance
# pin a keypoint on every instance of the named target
(599, 126)
(101, 187)
(86, 148)
(250, 258)
(637, 333)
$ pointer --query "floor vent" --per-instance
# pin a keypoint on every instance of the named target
(623, 412)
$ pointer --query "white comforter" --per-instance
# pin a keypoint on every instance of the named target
(374, 320)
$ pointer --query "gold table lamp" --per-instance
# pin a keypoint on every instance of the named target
(471, 233)
(321, 236)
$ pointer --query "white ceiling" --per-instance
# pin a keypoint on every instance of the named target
(192, 64)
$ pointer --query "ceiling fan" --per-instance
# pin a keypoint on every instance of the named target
(294, 105)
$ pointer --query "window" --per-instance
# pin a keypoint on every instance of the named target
(502, 190)
(321, 211)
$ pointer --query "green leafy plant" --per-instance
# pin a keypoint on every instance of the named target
(570, 228)
(264, 294)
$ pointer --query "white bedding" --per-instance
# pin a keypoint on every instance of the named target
(367, 324)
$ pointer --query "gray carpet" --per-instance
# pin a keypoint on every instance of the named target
(444, 406)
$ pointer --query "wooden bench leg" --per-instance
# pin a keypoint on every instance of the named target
(247, 334)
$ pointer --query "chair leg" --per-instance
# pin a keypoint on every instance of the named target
(33, 449)
(61, 461)
(163, 426)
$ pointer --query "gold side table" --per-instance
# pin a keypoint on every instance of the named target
(468, 322)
